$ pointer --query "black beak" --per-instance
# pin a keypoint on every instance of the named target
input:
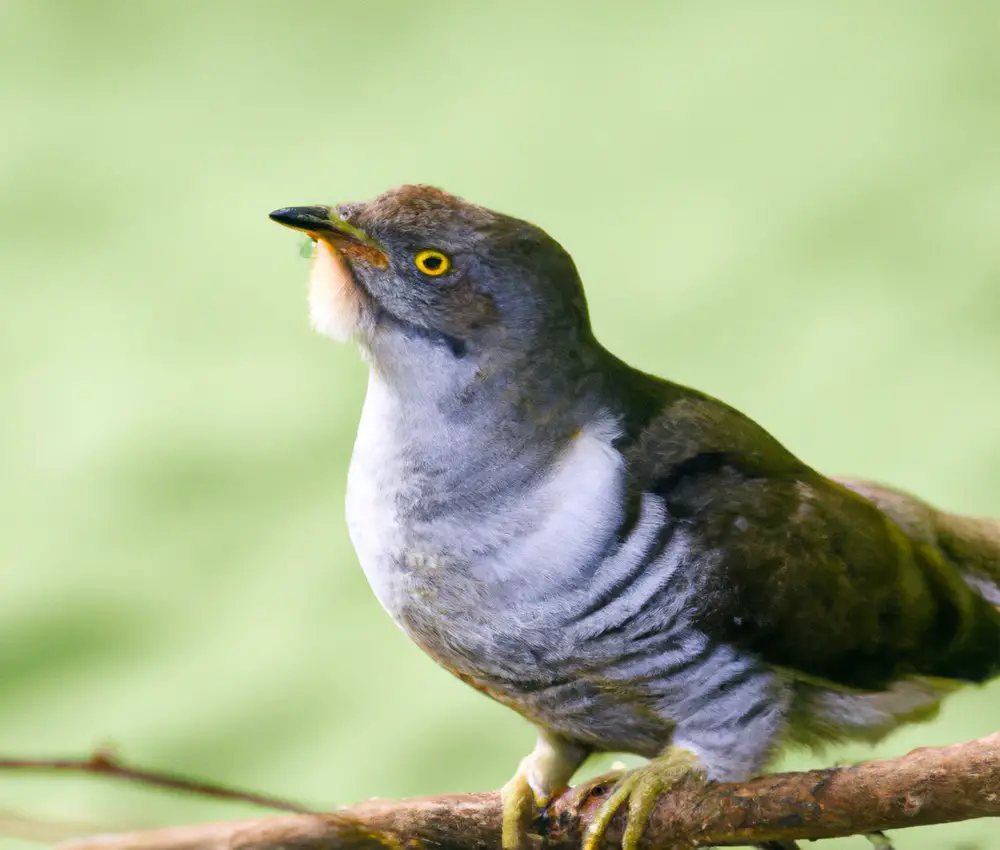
(312, 219)
(323, 223)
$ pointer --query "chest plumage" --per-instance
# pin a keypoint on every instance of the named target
(447, 542)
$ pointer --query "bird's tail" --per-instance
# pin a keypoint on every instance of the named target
(971, 544)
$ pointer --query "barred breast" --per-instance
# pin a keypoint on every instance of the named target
(566, 599)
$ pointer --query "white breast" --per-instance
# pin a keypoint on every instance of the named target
(575, 510)
(373, 481)
(542, 534)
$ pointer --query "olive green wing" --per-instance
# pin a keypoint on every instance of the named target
(809, 574)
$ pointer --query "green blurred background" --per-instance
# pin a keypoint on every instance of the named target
(793, 206)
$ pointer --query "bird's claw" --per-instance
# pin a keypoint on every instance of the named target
(521, 807)
(540, 777)
(518, 801)
(641, 787)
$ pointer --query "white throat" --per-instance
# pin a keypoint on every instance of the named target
(334, 301)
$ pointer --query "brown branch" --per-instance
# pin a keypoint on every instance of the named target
(105, 763)
(927, 786)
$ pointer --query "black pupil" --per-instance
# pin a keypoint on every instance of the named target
(432, 263)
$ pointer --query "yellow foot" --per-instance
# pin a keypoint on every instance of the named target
(539, 777)
(520, 807)
(642, 787)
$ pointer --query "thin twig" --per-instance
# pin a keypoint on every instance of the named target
(105, 763)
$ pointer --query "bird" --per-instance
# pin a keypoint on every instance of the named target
(630, 564)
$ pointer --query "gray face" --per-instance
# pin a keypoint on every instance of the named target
(459, 275)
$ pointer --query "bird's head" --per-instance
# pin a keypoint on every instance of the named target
(417, 269)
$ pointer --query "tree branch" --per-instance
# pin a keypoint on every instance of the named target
(926, 786)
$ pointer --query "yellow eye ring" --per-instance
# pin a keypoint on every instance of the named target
(432, 263)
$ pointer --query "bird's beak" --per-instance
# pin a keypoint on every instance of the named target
(321, 222)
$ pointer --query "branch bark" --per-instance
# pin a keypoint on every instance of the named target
(926, 786)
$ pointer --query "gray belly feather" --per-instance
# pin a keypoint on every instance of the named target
(543, 599)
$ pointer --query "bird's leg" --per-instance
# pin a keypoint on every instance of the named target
(642, 787)
(546, 770)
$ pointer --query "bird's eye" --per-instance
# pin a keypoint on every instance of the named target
(432, 263)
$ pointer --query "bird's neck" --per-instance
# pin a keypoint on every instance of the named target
(471, 425)
(451, 442)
